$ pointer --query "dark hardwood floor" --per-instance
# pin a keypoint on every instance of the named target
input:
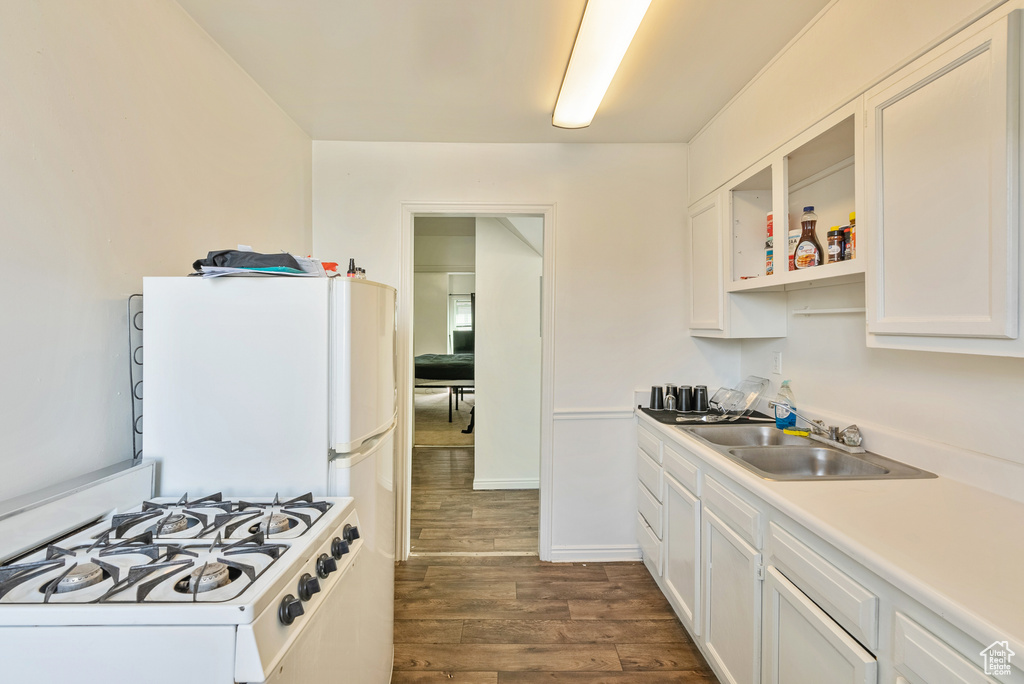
(511, 619)
(448, 515)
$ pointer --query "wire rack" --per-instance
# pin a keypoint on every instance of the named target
(135, 324)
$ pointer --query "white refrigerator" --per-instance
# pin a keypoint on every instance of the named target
(261, 386)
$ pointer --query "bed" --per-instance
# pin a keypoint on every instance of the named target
(454, 371)
(444, 367)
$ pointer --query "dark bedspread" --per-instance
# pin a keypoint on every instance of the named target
(444, 366)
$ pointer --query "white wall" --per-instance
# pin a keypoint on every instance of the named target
(620, 320)
(130, 145)
(949, 400)
(508, 360)
(530, 229)
(444, 253)
(967, 402)
(434, 257)
(430, 307)
(461, 283)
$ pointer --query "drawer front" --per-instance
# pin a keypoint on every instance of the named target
(650, 509)
(801, 644)
(680, 466)
(649, 473)
(923, 658)
(649, 443)
(845, 600)
(649, 544)
(741, 516)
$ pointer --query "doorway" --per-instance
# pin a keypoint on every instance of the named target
(444, 290)
(488, 495)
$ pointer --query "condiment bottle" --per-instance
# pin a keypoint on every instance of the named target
(808, 249)
(792, 239)
(847, 243)
(835, 245)
(853, 235)
(351, 268)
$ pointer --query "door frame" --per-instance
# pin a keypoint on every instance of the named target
(405, 374)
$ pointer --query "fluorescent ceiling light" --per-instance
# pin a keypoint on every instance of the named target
(607, 28)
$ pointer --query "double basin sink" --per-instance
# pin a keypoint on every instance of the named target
(773, 455)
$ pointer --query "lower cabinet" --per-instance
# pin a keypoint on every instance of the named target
(812, 616)
(922, 658)
(803, 645)
(732, 602)
(682, 552)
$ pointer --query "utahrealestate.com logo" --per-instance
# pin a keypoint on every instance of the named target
(997, 658)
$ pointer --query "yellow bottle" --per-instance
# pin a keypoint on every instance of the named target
(853, 235)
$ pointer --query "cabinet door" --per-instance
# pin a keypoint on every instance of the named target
(706, 288)
(682, 552)
(732, 600)
(942, 190)
(803, 645)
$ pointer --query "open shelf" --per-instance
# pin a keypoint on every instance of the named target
(818, 170)
(750, 203)
(832, 274)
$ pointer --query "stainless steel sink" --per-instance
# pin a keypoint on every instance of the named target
(806, 462)
(746, 435)
(774, 455)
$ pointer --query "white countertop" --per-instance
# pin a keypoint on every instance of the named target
(957, 549)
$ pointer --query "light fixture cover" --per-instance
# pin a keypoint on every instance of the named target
(605, 32)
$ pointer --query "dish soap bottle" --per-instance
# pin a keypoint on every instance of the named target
(808, 249)
(784, 417)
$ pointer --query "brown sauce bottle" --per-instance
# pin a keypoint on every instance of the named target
(808, 250)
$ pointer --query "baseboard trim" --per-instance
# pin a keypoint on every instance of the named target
(532, 483)
(595, 554)
(593, 414)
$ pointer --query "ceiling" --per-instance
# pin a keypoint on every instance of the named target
(490, 70)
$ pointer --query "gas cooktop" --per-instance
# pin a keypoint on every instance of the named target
(167, 551)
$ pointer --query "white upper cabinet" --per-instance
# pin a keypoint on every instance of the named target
(706, 266)
(942, 187)
(713, 311)
(739, 275)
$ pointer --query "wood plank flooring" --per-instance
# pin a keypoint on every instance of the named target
(516, 620)
(500, 619)
(448, 515)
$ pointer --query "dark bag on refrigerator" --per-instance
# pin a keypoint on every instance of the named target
(233, 258)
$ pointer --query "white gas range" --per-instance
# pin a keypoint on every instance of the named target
(211, 589)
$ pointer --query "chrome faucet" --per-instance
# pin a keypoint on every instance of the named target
(849, 436)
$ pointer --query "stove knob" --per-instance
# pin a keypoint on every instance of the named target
(350, 533)
(339, 547)
(325, 565)
(289, 609)
(308, 585)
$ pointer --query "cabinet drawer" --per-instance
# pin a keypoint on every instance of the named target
(649, 544)
(802, 643)
(923, 658)
(649, 508)
(678, 465)
(741, 516)
(649, 473)
(844, 599)
(649, 443)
